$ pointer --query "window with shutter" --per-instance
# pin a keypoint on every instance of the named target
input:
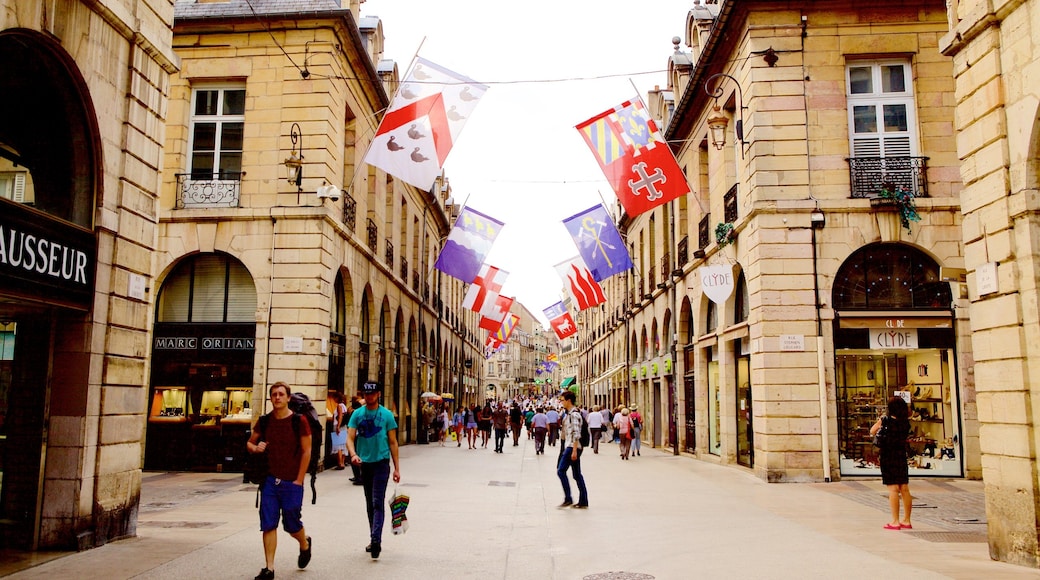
(882, 122)
(208, 288)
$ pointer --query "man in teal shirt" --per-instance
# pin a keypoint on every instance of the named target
(372, 443)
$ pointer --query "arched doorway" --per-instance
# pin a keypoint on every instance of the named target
(894, 337)
(202, 366)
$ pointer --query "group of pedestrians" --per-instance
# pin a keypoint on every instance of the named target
(284, 438)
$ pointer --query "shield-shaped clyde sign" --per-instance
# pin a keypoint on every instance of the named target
(717, 282)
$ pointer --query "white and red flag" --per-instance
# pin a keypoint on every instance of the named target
(634, 157)
(483, 297)
(561, 321)
(580, 284)
(423, 122)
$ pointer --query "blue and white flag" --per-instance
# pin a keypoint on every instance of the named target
(599, 242)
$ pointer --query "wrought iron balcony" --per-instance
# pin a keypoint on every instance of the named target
(729, 204)
(373, 235)
(349, 212)
(404, 269)
(415, 281)
(684, 252)
(704, 231)
(390, 254)
(195, 190)
(869, 175)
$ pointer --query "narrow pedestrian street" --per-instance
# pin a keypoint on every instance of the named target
(478, 514)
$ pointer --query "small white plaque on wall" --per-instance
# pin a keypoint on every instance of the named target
(792, 342)
(986, 278)
(324, 346)
(136, 286)
(292, 344)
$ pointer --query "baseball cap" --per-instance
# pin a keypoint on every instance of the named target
(371, 387)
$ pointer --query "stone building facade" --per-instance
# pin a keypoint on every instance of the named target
(324, 281)
(84, 99)
(773, 311)
(996, 63)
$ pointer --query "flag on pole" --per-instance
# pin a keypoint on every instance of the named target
(562, 323)
(579, 283)
(468, 245)
(484, 289)
(423, 122)
(599, 242)
(494, 317)
(492, 345)
(637, 162)
(506, 330)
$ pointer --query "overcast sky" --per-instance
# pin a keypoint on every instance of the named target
(550, 66)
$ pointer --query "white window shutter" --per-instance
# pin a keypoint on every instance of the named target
(19, 188)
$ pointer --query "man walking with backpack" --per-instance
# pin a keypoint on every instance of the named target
(286, 439)
(574, 438)
(372, 443)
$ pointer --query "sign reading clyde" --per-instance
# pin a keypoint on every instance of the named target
(717, 282)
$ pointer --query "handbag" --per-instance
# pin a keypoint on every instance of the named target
(881, 437)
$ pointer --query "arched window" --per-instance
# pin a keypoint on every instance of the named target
(740, 301)
(208, 288)
(711, 318)
(890, 276)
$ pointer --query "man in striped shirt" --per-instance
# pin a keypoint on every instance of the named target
(571, 455)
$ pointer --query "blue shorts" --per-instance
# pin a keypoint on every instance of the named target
(280, 497)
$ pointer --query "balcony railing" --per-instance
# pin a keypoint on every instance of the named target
(729, 204)
(868, 175)
(216, 190)
(415, 281)
(349, 212)
(373, 235)
(651, 281)
(684, 252)
(404, 269)
(703, 231)
(390, 255)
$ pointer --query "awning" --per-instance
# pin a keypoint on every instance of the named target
(568, 382)
(599, 384)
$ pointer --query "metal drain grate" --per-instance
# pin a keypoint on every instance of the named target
(190, 525)
(952, 537)
(618, 576)
(502, 483)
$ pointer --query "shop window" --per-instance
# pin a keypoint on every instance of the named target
(714, 402)
(208, 288)
(890, 276)
(711, 320)
(217, 126)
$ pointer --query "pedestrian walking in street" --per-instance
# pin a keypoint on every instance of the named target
(553, 417)
(286, 440)
(516, 418)
(570, 458)
(443, 421)
(637, 430)
(339, 429)
(372, 443)
(623, 427)
(608, 434)
(500, 422)
(458, 422)
(892, 430)
(595, 427)
(540, 424)
(471, 426)
(484, 423)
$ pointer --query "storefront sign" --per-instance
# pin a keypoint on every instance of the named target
(208, 343)
(717, 282)
(44, 258)
(893, 339)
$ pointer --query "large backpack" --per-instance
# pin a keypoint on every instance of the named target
(301, 405)
(585, 436)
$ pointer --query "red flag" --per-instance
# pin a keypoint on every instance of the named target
(579, 283)
(484, 289)
(492, 318)
(561, 322)
(637, 162)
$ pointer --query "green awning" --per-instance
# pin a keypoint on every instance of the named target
(568, 382)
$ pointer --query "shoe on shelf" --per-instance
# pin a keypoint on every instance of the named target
(305, 555)
(376, 549)
(566, 503)
(265, 574)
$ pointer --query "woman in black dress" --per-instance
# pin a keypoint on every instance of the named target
(894, 470)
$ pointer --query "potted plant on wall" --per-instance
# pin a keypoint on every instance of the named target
(724, 234)
(902, 199)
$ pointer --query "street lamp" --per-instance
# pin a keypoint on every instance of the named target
(294, 164)
(717, 124)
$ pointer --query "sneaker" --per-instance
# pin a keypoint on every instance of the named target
(305, 555)
(376, 549)
(580, 506)
(566, 503)
(265, 574)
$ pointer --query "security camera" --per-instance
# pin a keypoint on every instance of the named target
(330, 191)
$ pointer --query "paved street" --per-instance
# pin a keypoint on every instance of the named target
(478, 514)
